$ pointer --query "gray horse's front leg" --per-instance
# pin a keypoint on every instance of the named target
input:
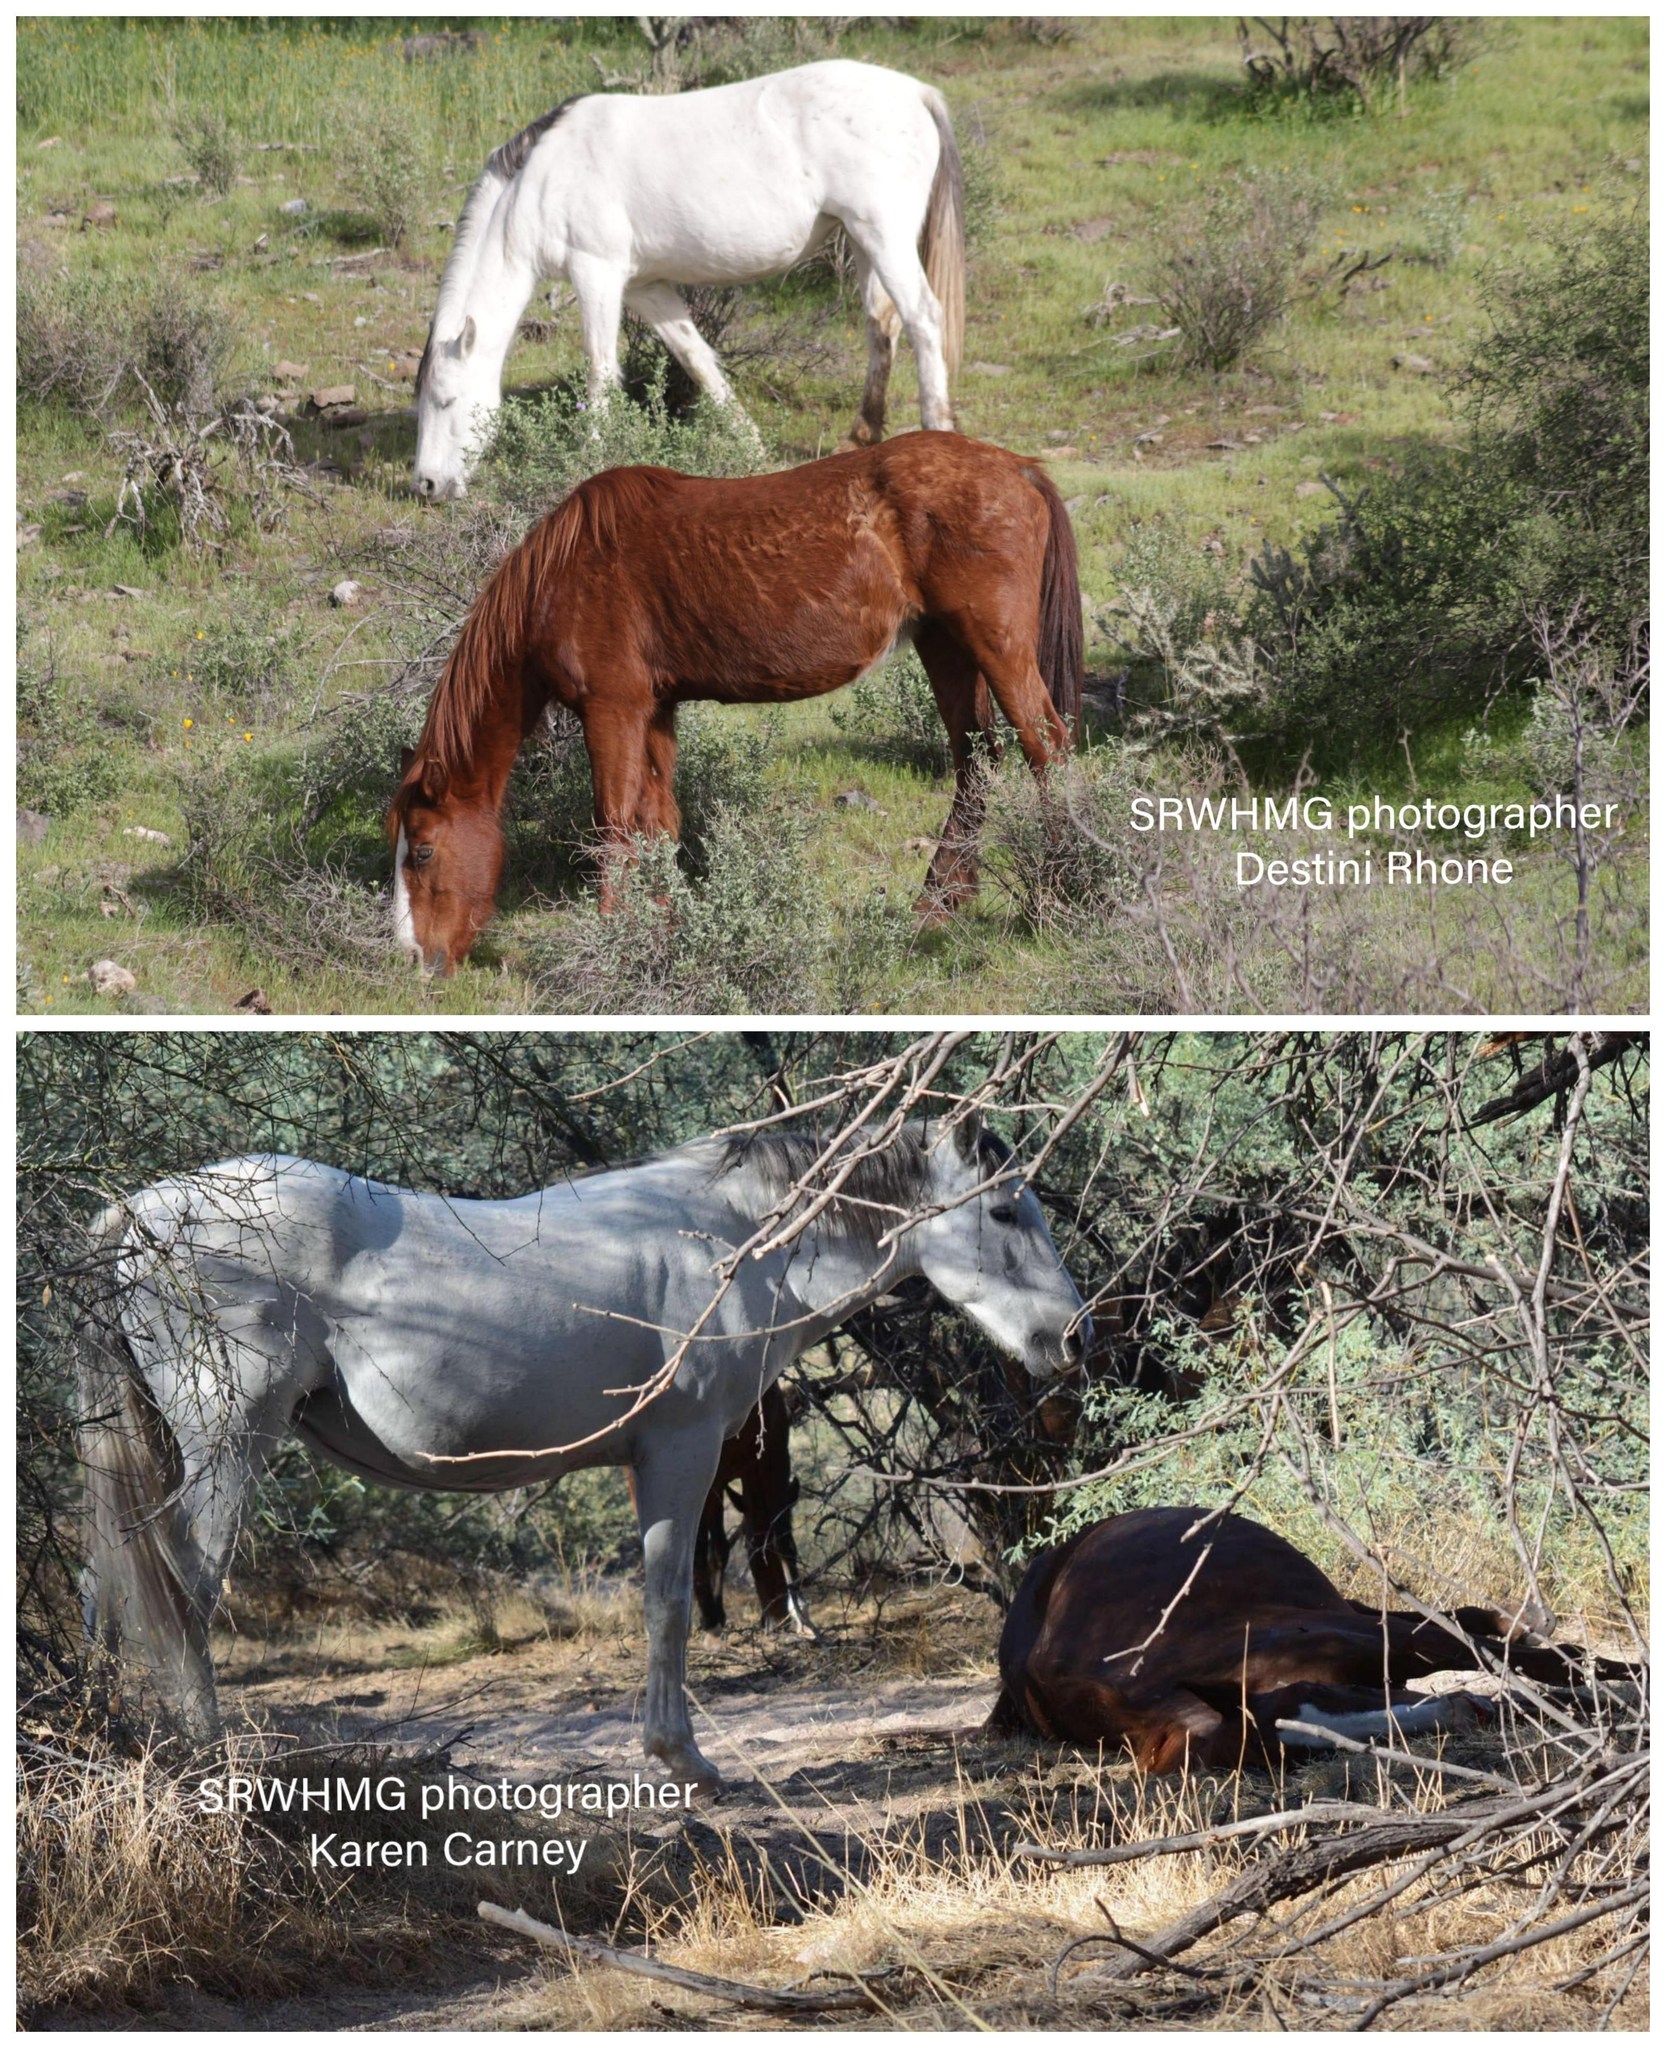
(671, 1483)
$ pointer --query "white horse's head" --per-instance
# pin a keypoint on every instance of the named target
(991, 1254)
(457, 400)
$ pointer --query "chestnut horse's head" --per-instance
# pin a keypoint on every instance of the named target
(447, 862)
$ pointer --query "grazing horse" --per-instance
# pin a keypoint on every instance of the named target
(644, 590)
(629, 196)
(757, 1463)
(1189, 1637)
(628, 1318)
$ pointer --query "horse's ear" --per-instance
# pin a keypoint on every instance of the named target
(433, 784)
(406, 756)
(466, 340)
(968, 1135)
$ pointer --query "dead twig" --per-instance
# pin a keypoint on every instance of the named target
(755, 1997)
(1322, 1813)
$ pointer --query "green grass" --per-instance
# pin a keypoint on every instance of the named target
(1092, 145)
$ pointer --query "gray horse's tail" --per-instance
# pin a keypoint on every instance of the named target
(943, 242)
(139, 1614)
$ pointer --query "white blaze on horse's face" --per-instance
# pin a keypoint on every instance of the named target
(992, 1256)
(456, 404)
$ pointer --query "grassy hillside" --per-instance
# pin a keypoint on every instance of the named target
(217, 698)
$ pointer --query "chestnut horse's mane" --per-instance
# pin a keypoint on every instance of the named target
(485, 657)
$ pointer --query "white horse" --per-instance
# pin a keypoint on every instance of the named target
(629, 196)
(628, 1318)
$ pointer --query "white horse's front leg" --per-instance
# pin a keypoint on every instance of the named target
(601, 293)
(672, 1480)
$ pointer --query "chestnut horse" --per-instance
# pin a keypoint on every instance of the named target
(757, 1462)
(644, 590)
(1185, 1636)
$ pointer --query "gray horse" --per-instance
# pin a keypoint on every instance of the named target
(626, 1318)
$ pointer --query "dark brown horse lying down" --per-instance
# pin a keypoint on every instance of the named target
(1257, 1636)
(644, 590)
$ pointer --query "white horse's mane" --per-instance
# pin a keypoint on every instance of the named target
(503, 166)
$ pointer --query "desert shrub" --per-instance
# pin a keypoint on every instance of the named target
(877, 935)
(81, 338)
(1415, 601)
(210, 147)
(68, 347)
(63, 764)
(84, 342)
(183, 343)
(688, 52)
(1351, 60)
(1439, 219)
(1557, 399)
(1176, 622)
(746, 936)
(984, 190)
(892, 711)
(256, 862)
(247, 657)
(1394, 613)
(380, 165)
(543, 446)
(721, 763)
(1065, 856)
(1229, 271)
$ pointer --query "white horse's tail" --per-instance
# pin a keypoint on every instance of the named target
(943, 243)
(139, 1612)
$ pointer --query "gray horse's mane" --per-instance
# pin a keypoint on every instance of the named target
(882, 1187)
(502, 165)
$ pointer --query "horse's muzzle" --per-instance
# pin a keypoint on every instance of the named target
(1078, 1342)
(434, 489)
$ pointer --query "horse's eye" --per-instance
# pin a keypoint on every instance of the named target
(1003, 1213)
(421, 855)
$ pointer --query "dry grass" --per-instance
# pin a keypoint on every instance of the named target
(853, 1853)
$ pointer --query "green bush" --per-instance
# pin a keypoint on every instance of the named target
(63, 765)
(1558, 401)
(1417, 599)
(1227, 272)
(80, 338)
(380, 166)
(543, 446)
(748, 935)
(210, 147)
(246, 658)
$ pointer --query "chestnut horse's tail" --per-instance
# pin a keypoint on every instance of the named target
(943, 240)
(1059, 641)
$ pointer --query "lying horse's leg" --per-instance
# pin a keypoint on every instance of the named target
(672, 1478)
(963, 701)
(884, 325)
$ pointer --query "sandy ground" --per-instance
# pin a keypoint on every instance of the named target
(827, 1746)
